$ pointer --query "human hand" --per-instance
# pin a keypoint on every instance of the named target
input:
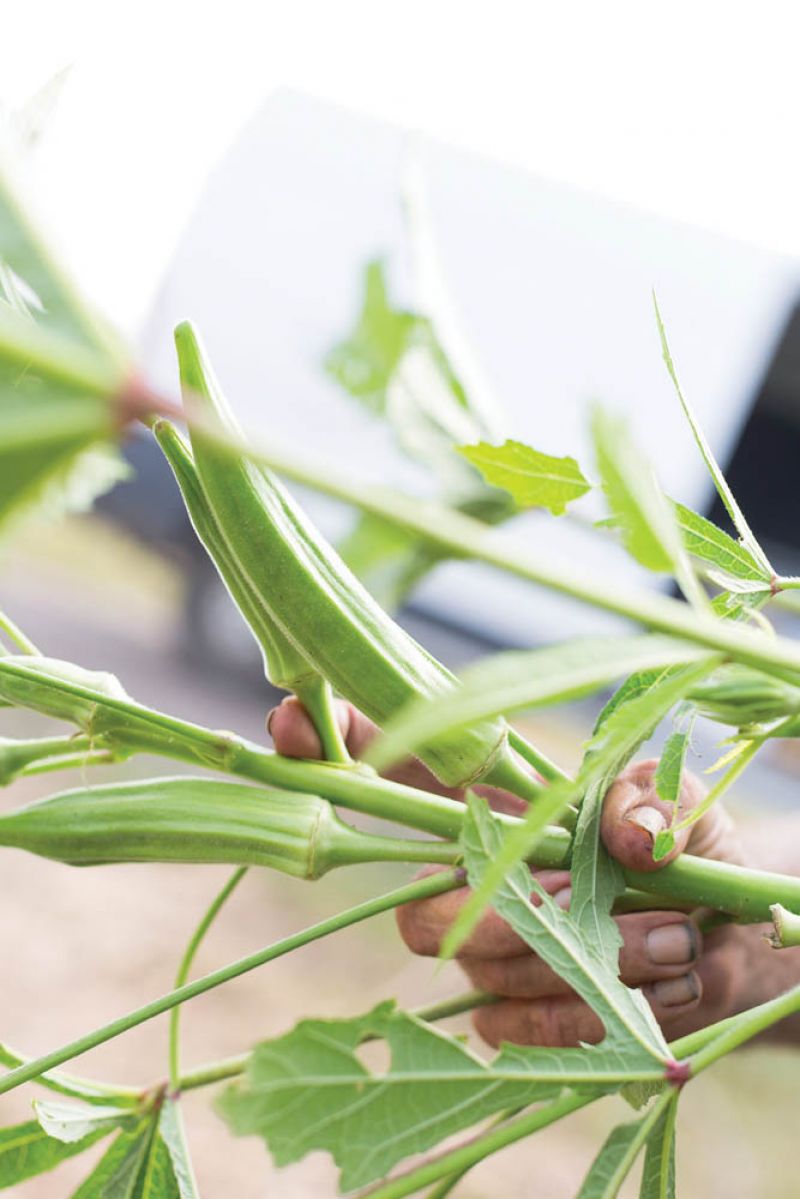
(690, 980)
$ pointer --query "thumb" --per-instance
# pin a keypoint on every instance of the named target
(633, 815)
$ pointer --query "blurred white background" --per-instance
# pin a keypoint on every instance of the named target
(688, 109)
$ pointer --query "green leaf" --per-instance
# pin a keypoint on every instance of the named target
(310, 1090)
(534, 479)
(670, 767)
(365, 361)
(723, 490)
(117, 1174)
(60, 373)
(597, 880)
(658, 1176)
(614, 1161)
(663, 844)
(27, 1150)
(649, 528)
(69, 1122)
(706, 541)
(58, 305)
(525, 679)
(568, 947)
(140, 1165)
(172, 1134)
(617, 736)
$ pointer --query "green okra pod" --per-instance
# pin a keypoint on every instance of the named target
(203, 820)
(740, 696)
(319, 604)
(285, 666)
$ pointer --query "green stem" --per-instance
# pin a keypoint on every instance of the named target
(16, 635)
(435, 884)
(232, 1067)
(787, 928)
(186, 965)
(478, 1148)
(535, 758)
(448, 1185)
(21, 756)
(316, 696)
(744, 1027)
(463, 537)
(701, 882)
(745, 894)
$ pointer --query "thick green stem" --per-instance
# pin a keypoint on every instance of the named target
(464, 537)
(478, 1148)
(186, 964)
(700, 882)
(743, 1028)
(787, 928)
(124, 724)
(435, 884)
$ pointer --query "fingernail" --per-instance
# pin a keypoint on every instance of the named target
(672, 944)
(563, 897)
(270, 717)
(649, 820)
(675, 992)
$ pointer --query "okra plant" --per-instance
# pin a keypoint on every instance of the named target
(68, 389)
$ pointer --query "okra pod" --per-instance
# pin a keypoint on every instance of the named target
(318, 603)
(739, 696)
(203, 820)
(284, 665)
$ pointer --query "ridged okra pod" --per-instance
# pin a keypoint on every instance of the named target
(284, 665)
(203, 820)
(315, 599)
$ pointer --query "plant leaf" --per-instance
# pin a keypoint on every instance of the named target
(58, 304)
(534, 479)
(723, 490)
(597, 880)
(138, 1165)
(614, 1161)
(565, 945)
(172, 1134)
(309, 1089)
(27, 1150)
(69, 1122)
(526, 679)
(670, 767)
(617, 735)
(637, 503)
(706, 541)
(658, 1176)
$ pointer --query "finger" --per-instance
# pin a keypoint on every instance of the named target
(566, 1021)
(294, 735)
(633, 815)
(675, 1001)
(424, 923)
(555, 1022)
(656, 945)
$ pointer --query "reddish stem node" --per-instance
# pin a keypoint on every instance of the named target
(677, 1074)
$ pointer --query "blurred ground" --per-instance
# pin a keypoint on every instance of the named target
(81, 947)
